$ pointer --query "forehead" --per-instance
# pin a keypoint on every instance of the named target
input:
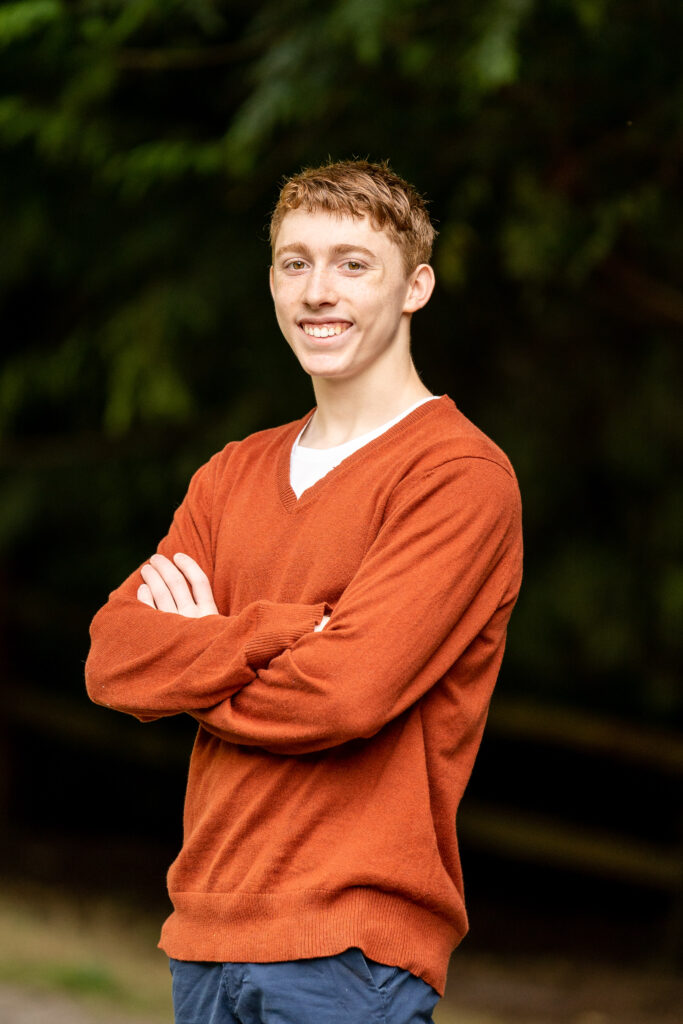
(321, 231)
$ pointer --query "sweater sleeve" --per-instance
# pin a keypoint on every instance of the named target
(152, 664)
(445, 563)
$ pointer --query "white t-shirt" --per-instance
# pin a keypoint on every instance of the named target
(308, 465)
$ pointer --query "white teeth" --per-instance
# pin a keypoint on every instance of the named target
(323, 332)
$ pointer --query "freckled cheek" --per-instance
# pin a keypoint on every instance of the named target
(285, 301)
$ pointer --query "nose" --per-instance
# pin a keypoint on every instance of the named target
(320, 288)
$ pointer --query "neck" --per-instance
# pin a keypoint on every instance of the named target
(349, 408)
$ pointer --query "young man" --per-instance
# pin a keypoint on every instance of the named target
(330, 605)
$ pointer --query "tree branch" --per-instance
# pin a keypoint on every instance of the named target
(661, 300)
(180, 59)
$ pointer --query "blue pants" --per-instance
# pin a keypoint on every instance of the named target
(345, 989)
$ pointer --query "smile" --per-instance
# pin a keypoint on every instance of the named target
(324, 330)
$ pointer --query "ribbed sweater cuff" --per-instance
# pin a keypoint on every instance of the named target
(279, 626)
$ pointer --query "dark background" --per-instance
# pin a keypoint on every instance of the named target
(141, 149)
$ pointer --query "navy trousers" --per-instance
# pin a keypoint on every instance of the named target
(345, 989)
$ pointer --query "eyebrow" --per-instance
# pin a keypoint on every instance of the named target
(337, 250)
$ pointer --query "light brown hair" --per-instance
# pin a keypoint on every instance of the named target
(358, 188)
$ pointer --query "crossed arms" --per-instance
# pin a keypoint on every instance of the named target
(443, 568)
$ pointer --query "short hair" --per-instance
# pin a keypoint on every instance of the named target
(358, 188)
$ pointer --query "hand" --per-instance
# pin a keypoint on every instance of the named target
(321, 625)
(179, 586)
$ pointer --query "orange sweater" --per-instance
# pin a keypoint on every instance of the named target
(328, 766)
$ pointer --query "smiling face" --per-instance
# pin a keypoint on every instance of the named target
(342, 297)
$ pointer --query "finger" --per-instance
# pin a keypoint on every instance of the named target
(161, 595)
(196, 577)
(175, 581)
(145, 595)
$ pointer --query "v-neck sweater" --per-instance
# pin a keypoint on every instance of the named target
(308, 465)
(328, 766)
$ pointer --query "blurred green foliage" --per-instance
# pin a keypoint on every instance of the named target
(141, 146)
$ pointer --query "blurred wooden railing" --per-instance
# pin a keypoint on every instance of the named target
(542, 839)
(531, 837)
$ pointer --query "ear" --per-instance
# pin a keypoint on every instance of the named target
(271, 282)
(420, 288)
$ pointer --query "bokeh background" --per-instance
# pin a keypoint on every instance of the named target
(142, 144)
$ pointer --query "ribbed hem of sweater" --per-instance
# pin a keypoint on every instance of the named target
(264, 928)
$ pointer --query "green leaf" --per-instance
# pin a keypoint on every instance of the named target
(493, 59)
(21, 20)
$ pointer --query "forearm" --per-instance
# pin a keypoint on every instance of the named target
(153, 655)
(319, 694)
(152, 664)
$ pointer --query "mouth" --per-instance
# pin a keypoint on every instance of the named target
(324, 329)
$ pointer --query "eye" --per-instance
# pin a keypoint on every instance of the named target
(295, 264)
(354, 265)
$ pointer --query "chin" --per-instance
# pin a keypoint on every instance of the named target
(317, 368)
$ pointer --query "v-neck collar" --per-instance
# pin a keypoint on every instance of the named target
(287, 495)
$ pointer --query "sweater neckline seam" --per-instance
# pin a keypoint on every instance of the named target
(288, 497)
